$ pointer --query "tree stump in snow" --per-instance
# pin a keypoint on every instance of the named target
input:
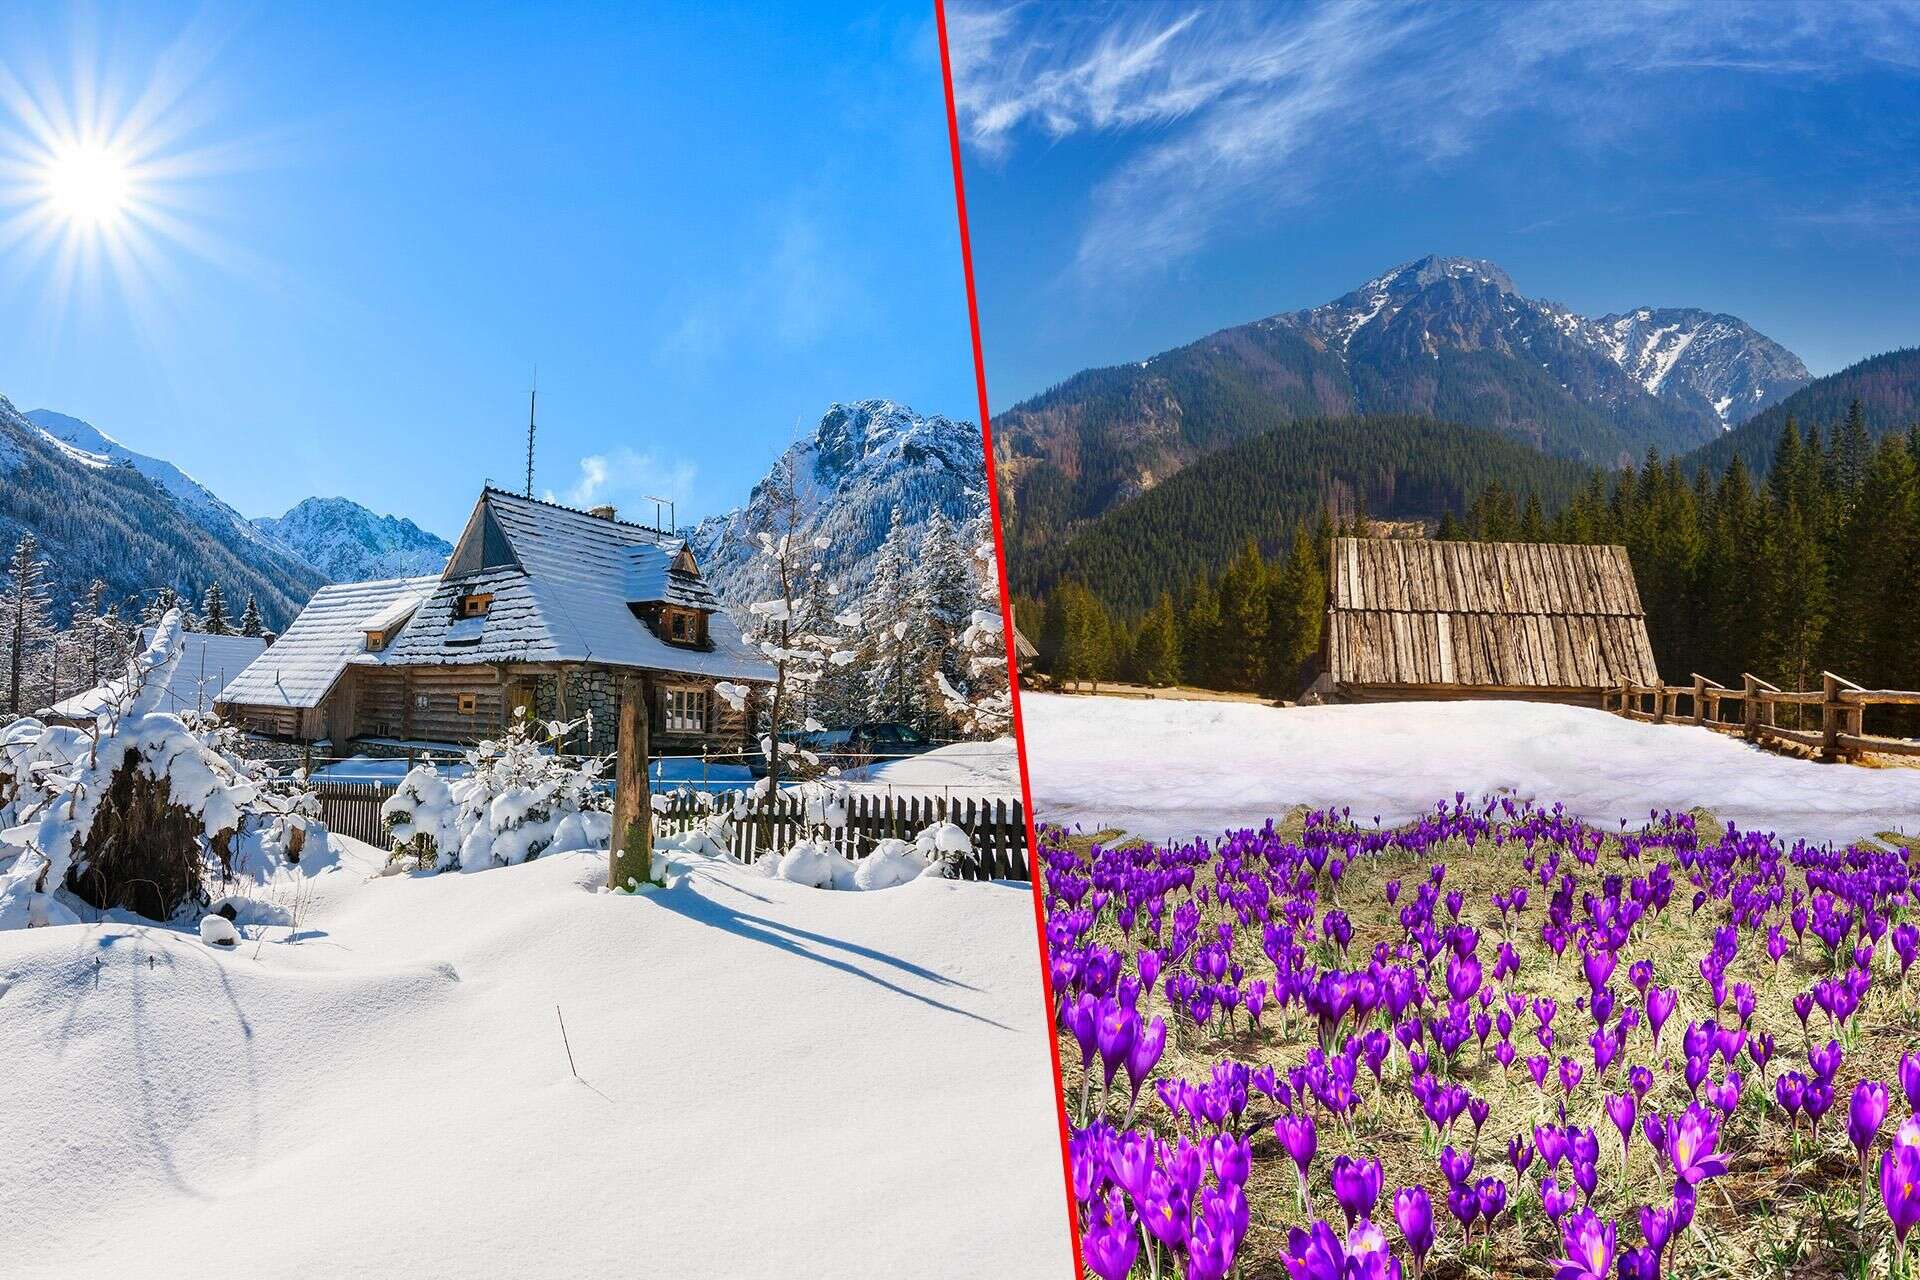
(630, 855)
(143, 850)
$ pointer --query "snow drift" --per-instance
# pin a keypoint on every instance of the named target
(772, 1082)
(1170, 768)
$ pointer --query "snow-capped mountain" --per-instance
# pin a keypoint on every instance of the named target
(1689, 355)
(1451, 339)
(349, 543)
(90, 446)
(1702, 368)
(101, 511)
(862, 463)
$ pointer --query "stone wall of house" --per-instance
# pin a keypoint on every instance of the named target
(588, 690)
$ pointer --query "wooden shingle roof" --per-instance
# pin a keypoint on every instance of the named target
(1495, 615)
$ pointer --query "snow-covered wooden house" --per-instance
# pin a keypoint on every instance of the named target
(1411, 619)
(541, 606)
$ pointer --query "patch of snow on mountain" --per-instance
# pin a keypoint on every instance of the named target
(349, 543)
(86, 443)
(862, 462)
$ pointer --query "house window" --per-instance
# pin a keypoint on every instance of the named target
(685, 710)
(679, 626)
(474, 606)
(468, 703)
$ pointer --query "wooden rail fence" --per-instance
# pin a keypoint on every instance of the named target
(1841, 706)
(997, 826)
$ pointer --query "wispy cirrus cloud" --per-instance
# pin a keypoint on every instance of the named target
(1227, 110)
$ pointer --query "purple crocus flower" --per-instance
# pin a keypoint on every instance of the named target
(1661, 1002)
(1910, 1080)
(1316, 1253)
(1356, 1185)
(1589, 1242)
(1413, 1210)
(1111, 1243)
(1492, 1195)
(1691, 1139)
(1865, 1112)
(1621, 1109)
(1900, 1191)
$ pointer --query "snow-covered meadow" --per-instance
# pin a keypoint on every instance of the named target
(469, 1057)
(1171, 768)
(773, 1081)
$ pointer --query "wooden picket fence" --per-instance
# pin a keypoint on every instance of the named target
(996, 825)
(1839, 705)
(353, 809)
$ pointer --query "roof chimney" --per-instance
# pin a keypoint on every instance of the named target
(604, 512)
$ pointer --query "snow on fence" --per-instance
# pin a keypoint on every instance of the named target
(996, 825)
(1839, 703)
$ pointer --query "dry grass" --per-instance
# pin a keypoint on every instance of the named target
(1784, 1209)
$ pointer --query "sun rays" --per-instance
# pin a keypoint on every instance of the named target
(103, 179)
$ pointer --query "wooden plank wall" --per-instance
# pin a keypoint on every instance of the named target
(1485, 615)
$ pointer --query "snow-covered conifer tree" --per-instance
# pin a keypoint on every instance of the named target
(945, 581)
(26, 626)
(250, 623)
(983, 707)
(896, 655)
(213, 612)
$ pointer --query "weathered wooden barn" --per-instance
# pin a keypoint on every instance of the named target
(540, 606)
(1414, 619)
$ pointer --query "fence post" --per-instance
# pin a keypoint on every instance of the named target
(1660, 702)
(1699, 698)
(1750, 706)
(1838, 716)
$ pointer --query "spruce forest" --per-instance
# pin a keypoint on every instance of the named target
(1806, 567)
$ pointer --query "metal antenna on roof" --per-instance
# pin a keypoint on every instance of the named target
(672, 519)
(533, 393)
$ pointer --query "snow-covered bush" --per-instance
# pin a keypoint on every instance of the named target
(423, 819)
(33, 757)
(518, 801)
(817, 864)
(892, 862)
(142, 810)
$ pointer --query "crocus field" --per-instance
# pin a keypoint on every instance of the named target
(1494, 1041)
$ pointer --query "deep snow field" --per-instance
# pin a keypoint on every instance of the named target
(1171, 768)
(774, 1081)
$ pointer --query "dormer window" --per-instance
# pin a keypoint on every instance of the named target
(680, 626)
(476, 605)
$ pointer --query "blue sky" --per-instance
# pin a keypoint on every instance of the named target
(357, 228)
(1139, 175)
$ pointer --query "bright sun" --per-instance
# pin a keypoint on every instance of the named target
(88, 185)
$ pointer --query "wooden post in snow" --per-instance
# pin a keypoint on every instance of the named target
(630, 857)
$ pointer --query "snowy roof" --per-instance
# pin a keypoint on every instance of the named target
(561, 582)
(302, 665)
(207, 663)
(1501, 615)
(395, 612)
(652, 578)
